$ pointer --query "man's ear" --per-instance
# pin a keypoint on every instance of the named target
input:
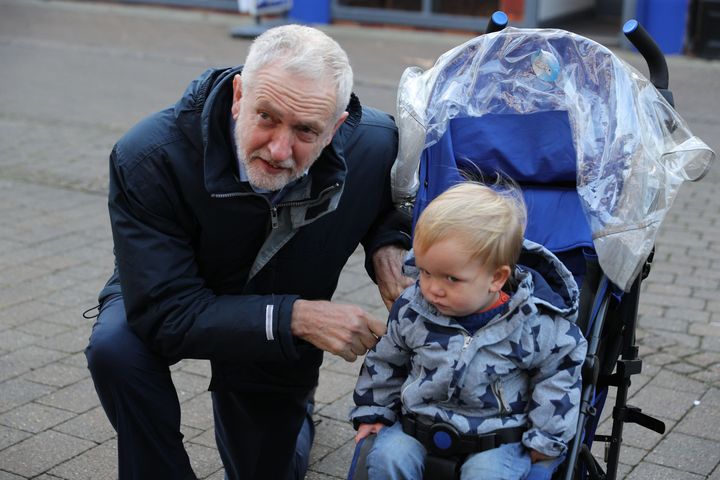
(237, 95)
(340, 121)
(500, 276)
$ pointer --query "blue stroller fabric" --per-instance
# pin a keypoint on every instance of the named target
(561, 112)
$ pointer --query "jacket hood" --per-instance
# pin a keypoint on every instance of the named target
(203, 115)
(553, 285)
(539, 273)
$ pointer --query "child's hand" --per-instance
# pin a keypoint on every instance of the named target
(366, 429)
(536, 456)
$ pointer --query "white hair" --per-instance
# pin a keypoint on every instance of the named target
(305, 51)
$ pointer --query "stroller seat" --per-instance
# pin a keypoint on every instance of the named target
(599, 154)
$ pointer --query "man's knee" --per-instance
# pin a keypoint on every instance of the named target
(113, 347)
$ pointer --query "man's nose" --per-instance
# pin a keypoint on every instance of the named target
(280, 145)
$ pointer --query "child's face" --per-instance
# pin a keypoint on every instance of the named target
(454, 284)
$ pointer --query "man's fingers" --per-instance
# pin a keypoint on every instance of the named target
(377, 327)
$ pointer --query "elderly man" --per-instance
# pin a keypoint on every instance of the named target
(233, 214)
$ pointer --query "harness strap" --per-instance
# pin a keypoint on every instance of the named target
(443, 438)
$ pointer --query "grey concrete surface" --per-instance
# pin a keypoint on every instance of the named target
(75, 75)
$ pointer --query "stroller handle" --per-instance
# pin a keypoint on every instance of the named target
(650, 51)
(497, 22)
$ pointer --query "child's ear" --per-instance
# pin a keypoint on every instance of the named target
(500, 276)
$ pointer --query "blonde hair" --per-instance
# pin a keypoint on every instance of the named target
(489, 221)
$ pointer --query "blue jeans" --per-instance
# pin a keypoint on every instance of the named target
(396, 455)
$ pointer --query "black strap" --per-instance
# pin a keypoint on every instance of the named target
(425, 432)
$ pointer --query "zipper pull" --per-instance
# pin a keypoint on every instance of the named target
(503, 404)
(274, 218)
(466, 342)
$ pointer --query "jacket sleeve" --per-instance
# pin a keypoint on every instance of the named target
(376, 140)
(556, 387)
(385, 369)
(167, 302)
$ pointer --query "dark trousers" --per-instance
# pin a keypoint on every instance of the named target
(259, 435)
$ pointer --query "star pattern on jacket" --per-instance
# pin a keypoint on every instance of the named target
(567, 363)
(517, 350)
(562, 406)
(518, 405)
(429, 374)
(574, 332)
(437, 334)
(535, 334)
(488, 398)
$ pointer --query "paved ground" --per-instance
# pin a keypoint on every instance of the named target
(74, 76)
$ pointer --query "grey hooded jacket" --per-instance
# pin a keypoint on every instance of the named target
(521, 369)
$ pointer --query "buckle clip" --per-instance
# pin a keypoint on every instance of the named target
(444, 439)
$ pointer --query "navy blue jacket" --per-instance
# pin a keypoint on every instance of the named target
(210, 269)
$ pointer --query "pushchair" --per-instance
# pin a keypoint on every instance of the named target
(599, 153)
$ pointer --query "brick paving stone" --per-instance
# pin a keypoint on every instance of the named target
(334, 385)
(57, 375)
(197, 413)
(334, 433)
(78, 397)
(9, 476)
(99, 463)
(687, 453)
(711, 344)
(702, 421)
(14, 339)
(19, 391)
(11, 436)
(42, 328)
(189, 385)
(704, 359)
(704, 329)
(204, 460)
(92, 425)
(367, 296)
(41, 452)
(663, 402)
(23, 312)
(26, 359)
(205, 438)
(34, 418)
(640, 437)
(672, 380)
(76, 359)
(72, 341)
(683, 368)
(350, 282)
(339, 409)
(650, 471)
(337, 463)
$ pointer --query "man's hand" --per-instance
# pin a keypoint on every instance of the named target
(366, 429)
(344, 330)
(387, 262)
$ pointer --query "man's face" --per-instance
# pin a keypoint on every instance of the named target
(283, 122)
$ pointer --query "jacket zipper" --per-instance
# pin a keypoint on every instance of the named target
(500, 396)
(274, 208)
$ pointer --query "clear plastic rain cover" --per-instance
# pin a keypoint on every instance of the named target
(633, 149)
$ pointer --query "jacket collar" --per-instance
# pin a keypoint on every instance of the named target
(202, 114)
